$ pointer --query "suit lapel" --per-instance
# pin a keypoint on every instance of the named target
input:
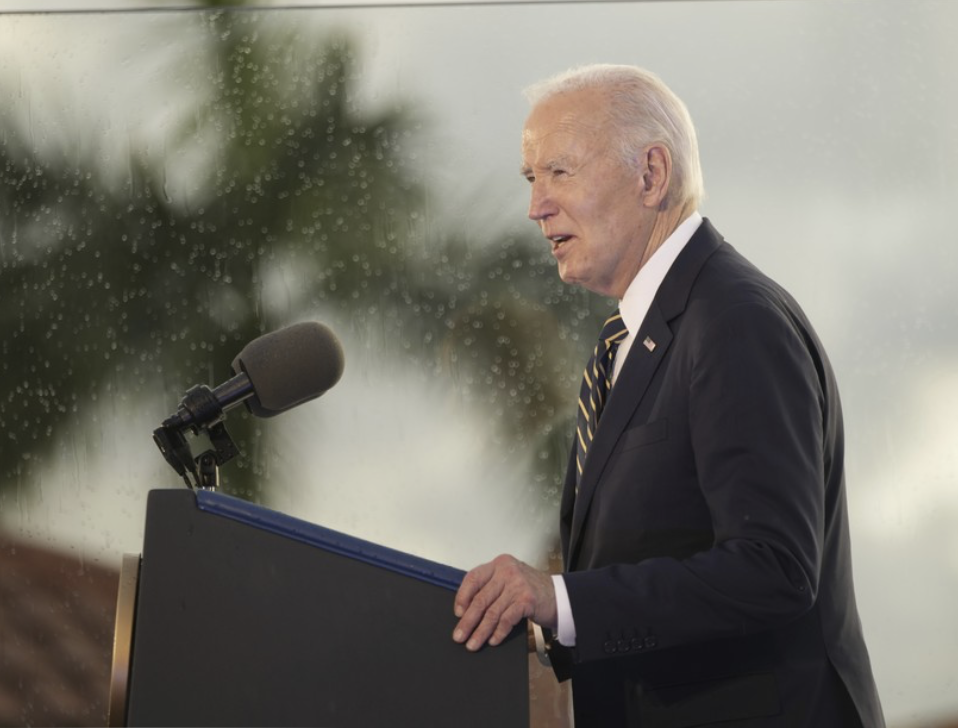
(637, 372)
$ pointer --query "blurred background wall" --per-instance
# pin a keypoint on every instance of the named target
(176, 181)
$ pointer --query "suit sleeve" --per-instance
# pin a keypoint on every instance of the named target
(755, 415)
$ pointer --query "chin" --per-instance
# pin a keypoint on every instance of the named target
(567, 275)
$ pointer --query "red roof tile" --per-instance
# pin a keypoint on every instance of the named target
(56, 637)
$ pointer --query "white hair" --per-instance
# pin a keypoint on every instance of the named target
(643, 111)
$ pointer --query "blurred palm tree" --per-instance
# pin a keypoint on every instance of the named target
(107, 289)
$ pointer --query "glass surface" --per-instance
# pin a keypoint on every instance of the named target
(175, 183)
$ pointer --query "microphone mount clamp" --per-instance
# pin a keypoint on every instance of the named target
(200, 414)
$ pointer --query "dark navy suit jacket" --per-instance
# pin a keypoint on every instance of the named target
(707, 552)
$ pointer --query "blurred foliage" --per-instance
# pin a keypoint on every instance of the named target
(113, 291)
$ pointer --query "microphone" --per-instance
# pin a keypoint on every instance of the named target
(273, 373)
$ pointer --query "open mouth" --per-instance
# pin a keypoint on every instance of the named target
(558, 245)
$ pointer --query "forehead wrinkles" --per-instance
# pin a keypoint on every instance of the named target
(559, 134)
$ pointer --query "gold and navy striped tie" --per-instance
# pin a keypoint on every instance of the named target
(596, 383)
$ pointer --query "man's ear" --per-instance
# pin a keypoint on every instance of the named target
(657, 175)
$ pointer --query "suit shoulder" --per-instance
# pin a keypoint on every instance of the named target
(729, 279)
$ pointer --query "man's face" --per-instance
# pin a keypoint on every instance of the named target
(587, 201)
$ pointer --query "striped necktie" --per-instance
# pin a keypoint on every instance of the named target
(596, 383)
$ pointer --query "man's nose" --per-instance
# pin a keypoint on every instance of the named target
(541, 204)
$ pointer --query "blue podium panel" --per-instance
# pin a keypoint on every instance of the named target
(245, 617)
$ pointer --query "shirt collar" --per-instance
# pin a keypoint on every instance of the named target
(638, 296)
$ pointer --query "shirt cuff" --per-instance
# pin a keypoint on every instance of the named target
(565, 624)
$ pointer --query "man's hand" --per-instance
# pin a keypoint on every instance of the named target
(494, 597)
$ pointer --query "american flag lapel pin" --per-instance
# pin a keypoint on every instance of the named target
(649, 344)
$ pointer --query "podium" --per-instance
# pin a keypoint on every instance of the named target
(239, 615)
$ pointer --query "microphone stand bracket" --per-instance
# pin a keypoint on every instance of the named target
(200, 414)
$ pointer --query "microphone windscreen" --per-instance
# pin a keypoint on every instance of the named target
(290, 366)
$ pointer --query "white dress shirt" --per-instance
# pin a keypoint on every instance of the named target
(633, 307)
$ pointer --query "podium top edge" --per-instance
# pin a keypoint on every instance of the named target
(318, 536)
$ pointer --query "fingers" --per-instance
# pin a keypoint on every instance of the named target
(503, 625)
(475, 606)
(471, 584)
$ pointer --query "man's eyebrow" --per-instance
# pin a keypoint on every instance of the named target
(562, 162)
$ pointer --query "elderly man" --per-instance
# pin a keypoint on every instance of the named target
(704, 530)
